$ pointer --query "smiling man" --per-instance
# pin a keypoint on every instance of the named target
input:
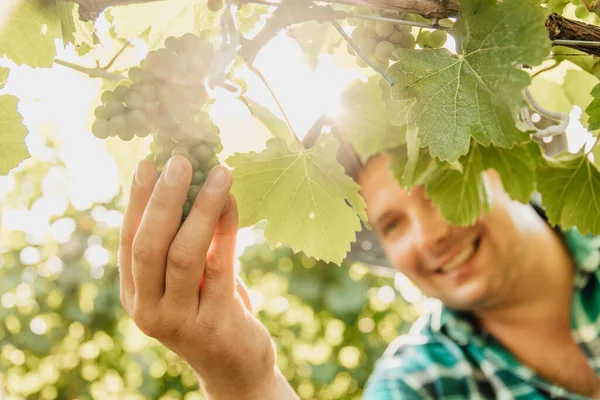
(519, 300)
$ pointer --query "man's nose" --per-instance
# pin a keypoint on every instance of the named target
(430, 230)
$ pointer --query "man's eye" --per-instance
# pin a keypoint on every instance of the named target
(391, 225)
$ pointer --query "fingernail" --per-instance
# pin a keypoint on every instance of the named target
(216, 180)
(142, 173)
(173, 171)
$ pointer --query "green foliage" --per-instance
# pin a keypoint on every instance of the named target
(28, 35)
(3, 76)
(274, 124)
(570, 187)
(12, 134)
(173, 18)
(476, 93)
(364, 120)
(593, 110)
(302, 195)
(577, 85)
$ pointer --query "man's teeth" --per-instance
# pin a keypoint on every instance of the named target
(459, 259)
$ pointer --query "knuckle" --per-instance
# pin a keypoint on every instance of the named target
(160, 202)
(180, 258)
(142, 252)
(147, 323)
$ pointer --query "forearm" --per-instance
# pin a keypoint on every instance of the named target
(275, 387)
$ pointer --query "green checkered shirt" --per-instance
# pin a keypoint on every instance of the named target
(446, 357)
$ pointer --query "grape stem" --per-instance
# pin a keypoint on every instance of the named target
(285, 117)
(366, 59)
(97, 72)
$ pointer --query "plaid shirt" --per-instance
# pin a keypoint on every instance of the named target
(446, 357)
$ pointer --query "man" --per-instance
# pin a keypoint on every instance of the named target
(520, 299)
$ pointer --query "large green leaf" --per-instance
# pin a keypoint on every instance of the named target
(570, 188)
(80, 34)
(364, 120)
(477, 92)
(302, 195)
(165, 18)
(28, 35)
(578, 85)
(12, 135)
(593, 110)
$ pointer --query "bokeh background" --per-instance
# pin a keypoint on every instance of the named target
(63, 332)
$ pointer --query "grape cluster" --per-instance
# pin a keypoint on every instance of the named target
(214, 5)
(432, 39)
(378, 39)
(165, 96)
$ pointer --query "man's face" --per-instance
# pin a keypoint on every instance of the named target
(467, 268)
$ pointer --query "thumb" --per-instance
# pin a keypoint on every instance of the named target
(219, 275)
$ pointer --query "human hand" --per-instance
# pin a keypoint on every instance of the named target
(210, 326)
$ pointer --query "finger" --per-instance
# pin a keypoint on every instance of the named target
(141, 188)
(187, 254)
(159, 225)
(220, 273)
(242, 291)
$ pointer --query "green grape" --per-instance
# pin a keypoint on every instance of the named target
(383, 64)
(106, 96)
(101, 129)
(161, 158)
(135, 73)
(135, 100)
(408, 41)
(148, 91)
(146, 77)
(395, 37)
(423, 39)
(137, 119)
(187, 208)
(180, 151)
(214, 5)
(409, 17)
(367, 46)
(120, 92)
(114, 107)
(390, 14)
(403, 28)
(154, 147)
(172, 44)
(384, 29)
(101, 113)
(581, 11)
(208, 165)
(358, 34)
(150, 108)
(193, 192)
(384, 50)
(194, 161)
(202, 153)
(118, 124)
(352, 21)
(198, 177)
(350, 50)
(370, 24)
(242, 84)
(437, 39)
(127, 135)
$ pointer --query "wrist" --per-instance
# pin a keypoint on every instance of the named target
(272, 387)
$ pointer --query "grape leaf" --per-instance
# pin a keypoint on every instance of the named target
(165, 18)
(80, 34)
(577, 85)
(364, 120)
(570, 189)
(459, 189)
(307, 200)
(583, 60)
(3, 76)
(28, 35)
(274, 124)
(557, 6)
(12, 135)
(314, 39)
(476, 93)
(247, 24)
(593, 110)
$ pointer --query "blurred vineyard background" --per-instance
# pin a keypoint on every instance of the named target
(65, 335)
(63, 332)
